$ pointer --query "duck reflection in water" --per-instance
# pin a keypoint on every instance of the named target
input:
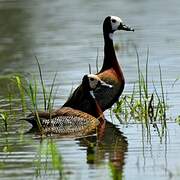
(111, 145)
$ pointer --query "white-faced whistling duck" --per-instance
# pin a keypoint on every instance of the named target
(110, 72)
(69, 121)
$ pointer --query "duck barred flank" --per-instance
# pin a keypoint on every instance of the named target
(68, 124)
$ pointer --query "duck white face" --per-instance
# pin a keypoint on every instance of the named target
(115, 22)
(95, 81)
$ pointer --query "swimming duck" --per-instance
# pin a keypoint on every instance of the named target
(69, 121)
(110, 72)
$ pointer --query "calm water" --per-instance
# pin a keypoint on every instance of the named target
(65, 36)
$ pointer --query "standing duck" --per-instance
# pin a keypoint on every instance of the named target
(69, 121)
(110, 72)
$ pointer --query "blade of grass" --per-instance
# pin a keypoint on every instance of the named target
(4, 117)
(139, 77)
(22, 94)
(42, 84)
(97, 61)
(147, 63)
(163, 97)
(32, 92)
(49, 106)
(90, 69)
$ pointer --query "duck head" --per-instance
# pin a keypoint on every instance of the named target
(91, 81)
(114, 23)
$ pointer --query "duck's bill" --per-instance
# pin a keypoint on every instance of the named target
(102, 83)
(125, 27)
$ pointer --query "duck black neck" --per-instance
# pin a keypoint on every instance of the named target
(97, 111)
(109, 52)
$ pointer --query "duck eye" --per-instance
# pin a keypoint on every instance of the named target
(113, 20)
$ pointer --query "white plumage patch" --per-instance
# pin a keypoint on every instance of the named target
(92, 94)
(93, 80)
(115, 22)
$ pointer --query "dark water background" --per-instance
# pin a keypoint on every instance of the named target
(65, 36)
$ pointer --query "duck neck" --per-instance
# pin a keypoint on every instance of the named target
(110, 59)
(98, 113)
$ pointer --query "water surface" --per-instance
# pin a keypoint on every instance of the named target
(65, 36)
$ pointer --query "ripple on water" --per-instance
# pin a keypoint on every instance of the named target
(67, 44)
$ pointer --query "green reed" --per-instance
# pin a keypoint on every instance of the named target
(116, 174)
(22, 93)
(97, 61)
(29, 94)
(5, 118)
(32, 93)
(48, 159)
(7, 114)
(42, 84)
(142, 105)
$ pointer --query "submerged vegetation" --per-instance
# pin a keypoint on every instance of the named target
(144, 105)
(48, 158)
(31, 91)
(47, 153)
(27, 92)
(5, 118)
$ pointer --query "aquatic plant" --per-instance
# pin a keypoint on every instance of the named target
(143, 105)
(115, 173)
(28, 93)
(21, 91)
(5, 118)
(7, 113)
(48, 159)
